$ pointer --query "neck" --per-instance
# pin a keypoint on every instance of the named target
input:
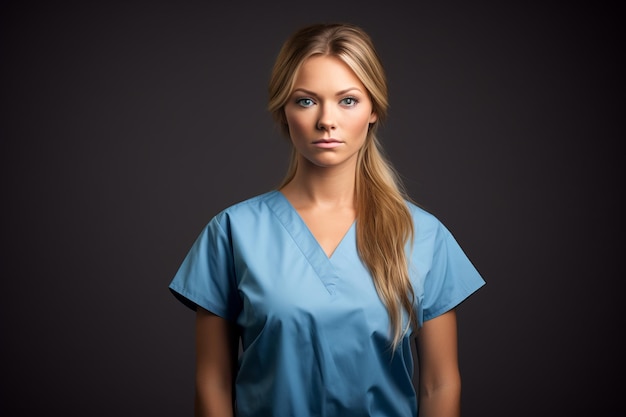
(322, 186)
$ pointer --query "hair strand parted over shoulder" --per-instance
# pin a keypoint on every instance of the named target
(384, 222)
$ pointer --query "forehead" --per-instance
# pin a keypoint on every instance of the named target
(326, 71)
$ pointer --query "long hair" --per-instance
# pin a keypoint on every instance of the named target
(384, 223)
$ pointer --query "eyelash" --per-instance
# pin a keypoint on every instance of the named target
(354, 100)
(300, 101)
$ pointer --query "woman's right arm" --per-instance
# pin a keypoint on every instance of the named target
(217, 347)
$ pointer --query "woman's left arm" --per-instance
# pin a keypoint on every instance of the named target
(439, 375)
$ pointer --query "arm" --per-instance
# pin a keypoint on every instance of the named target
(439, 376)
(216, 356)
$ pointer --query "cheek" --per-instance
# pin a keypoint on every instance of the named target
(360, 124)
(297, 125)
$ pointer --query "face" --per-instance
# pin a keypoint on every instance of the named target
(328, 113)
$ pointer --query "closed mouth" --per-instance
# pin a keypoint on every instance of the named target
(327, 141)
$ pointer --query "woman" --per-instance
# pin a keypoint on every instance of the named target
(308, 297)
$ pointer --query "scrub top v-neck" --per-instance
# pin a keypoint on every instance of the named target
(306, 241)
(315, 335)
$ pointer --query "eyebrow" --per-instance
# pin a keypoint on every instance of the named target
(339, 93)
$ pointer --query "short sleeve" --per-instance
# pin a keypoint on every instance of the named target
(452, 277)
(206, 276)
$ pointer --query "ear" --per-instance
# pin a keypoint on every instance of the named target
(373, 117)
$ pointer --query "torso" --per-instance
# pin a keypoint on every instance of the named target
(314, 332)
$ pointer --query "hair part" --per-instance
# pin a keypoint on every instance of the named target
(384, 222)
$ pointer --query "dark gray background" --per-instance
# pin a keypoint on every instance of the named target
(126, 126)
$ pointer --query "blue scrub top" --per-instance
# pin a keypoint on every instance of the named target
(315, 335)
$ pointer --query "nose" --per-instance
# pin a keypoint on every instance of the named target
(326, 119)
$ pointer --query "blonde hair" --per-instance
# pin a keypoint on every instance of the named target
(384, 222)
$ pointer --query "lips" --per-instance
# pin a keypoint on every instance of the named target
(327, 143)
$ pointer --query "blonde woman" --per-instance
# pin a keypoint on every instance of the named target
(328, 279)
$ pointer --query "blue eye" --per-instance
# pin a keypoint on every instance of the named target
(305, 102)
(349, 101)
